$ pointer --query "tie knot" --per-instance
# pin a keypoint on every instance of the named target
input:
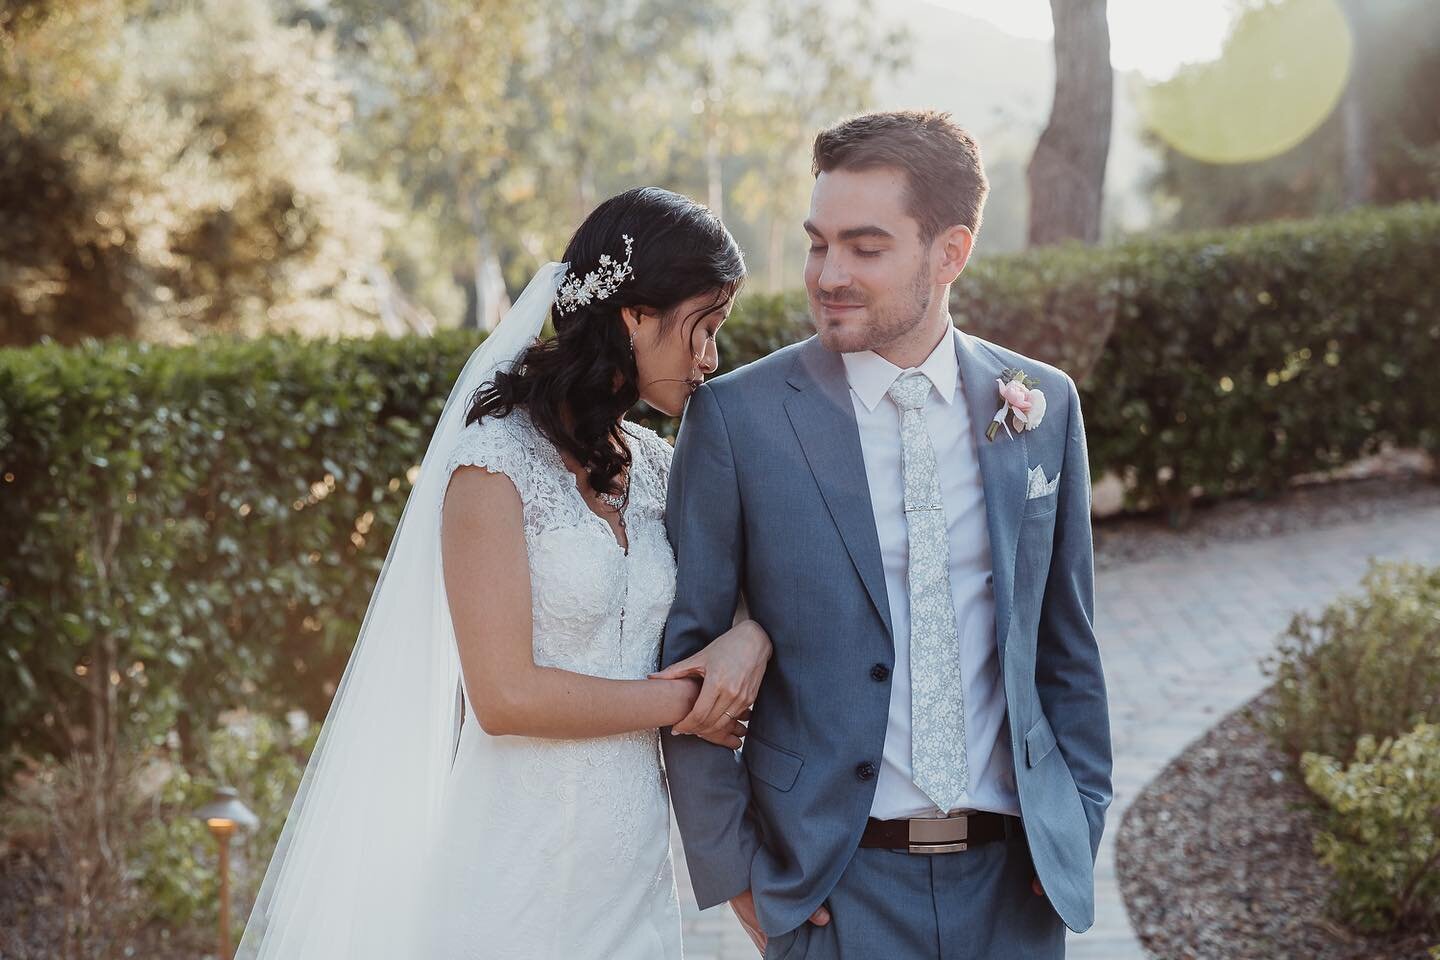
(910, 390)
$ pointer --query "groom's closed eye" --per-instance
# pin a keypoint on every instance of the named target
(819, 248)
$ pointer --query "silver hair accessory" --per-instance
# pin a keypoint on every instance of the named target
(598, 283)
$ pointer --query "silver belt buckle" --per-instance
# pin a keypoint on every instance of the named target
(940, 835)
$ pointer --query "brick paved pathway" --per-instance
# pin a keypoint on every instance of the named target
(1182, 640)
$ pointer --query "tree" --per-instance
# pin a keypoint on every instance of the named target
(273, 233)
(74, 139)
(807, 69)
(1067, 172)
(507, 121)
(166, 171)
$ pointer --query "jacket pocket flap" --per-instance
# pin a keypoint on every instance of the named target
(1039, 741)
(775, 765)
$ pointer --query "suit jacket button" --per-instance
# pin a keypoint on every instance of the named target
(866, 771)
(879, 673)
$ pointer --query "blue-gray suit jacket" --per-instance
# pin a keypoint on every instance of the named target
(768, 495)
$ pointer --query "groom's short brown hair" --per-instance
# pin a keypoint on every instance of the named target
(941, 162)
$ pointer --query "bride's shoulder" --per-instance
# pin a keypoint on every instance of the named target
(500, 444)
(655, 451)
(650, 444)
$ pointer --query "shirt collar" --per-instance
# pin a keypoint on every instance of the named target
(871, 375)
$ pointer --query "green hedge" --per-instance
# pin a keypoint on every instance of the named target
(201, 526)
(1240, 359)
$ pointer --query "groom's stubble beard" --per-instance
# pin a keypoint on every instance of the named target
(889, 322)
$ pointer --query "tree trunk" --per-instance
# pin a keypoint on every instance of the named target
(1357, 157)
(1067, 172)
(104, 695)
(490, 295)
(777, 254)
(715, 181)
(714, 173)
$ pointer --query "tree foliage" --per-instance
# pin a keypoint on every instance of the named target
(1397, 55)
(171, 170)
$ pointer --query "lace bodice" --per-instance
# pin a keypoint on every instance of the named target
(580, 577)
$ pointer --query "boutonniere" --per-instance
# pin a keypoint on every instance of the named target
(1020, 401)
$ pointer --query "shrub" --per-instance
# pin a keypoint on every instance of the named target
(70, 856)
(140, 876)
(1367, 665)
(1382, 829)
(175, 857)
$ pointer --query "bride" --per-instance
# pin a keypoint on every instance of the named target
(487, 783)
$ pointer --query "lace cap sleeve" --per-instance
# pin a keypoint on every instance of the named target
(491, 444)
(656, 452)
(664, 453)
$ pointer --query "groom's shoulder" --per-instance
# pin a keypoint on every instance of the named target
(1048, 374)
(771, 370)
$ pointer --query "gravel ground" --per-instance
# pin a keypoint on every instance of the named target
(1215, 860)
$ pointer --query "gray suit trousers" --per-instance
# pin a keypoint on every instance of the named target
(897, 905)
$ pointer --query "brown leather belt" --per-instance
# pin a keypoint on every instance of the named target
(952, 834)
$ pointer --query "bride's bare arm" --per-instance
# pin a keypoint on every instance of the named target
(487, 581)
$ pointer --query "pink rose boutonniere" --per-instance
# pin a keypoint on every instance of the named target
(1020, 401)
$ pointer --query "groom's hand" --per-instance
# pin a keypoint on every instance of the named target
(1035, 885)
(744, 907)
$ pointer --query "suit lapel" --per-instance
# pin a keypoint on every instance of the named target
(1002, 472)
(824, 420)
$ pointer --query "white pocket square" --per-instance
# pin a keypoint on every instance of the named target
(1038, 486)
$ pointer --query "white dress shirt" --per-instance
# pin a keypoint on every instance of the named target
(992, 771)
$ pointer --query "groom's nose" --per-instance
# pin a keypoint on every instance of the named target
(833, 275)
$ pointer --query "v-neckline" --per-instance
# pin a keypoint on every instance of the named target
(624, 511)
(609, 528)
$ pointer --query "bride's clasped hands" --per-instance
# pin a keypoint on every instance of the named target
(731, 669)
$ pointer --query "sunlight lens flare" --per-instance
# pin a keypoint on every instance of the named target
(1283, 70)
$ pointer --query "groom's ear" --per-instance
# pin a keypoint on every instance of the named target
(954, 246)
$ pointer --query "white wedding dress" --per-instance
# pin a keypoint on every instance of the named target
(551, 849)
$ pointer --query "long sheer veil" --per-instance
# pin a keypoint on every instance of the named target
(346, 876)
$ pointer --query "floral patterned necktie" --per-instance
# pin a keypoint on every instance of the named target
(937, 708)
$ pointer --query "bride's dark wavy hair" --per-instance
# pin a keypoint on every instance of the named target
(681, 250)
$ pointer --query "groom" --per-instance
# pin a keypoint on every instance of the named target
(928, 763)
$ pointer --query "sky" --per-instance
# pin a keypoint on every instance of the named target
(1154, 37)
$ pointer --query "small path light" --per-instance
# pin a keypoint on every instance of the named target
(224, 816)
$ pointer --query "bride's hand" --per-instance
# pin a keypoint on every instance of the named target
(731, 669)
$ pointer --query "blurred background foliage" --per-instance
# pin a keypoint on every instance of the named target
(168, 169)
(171, 168)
